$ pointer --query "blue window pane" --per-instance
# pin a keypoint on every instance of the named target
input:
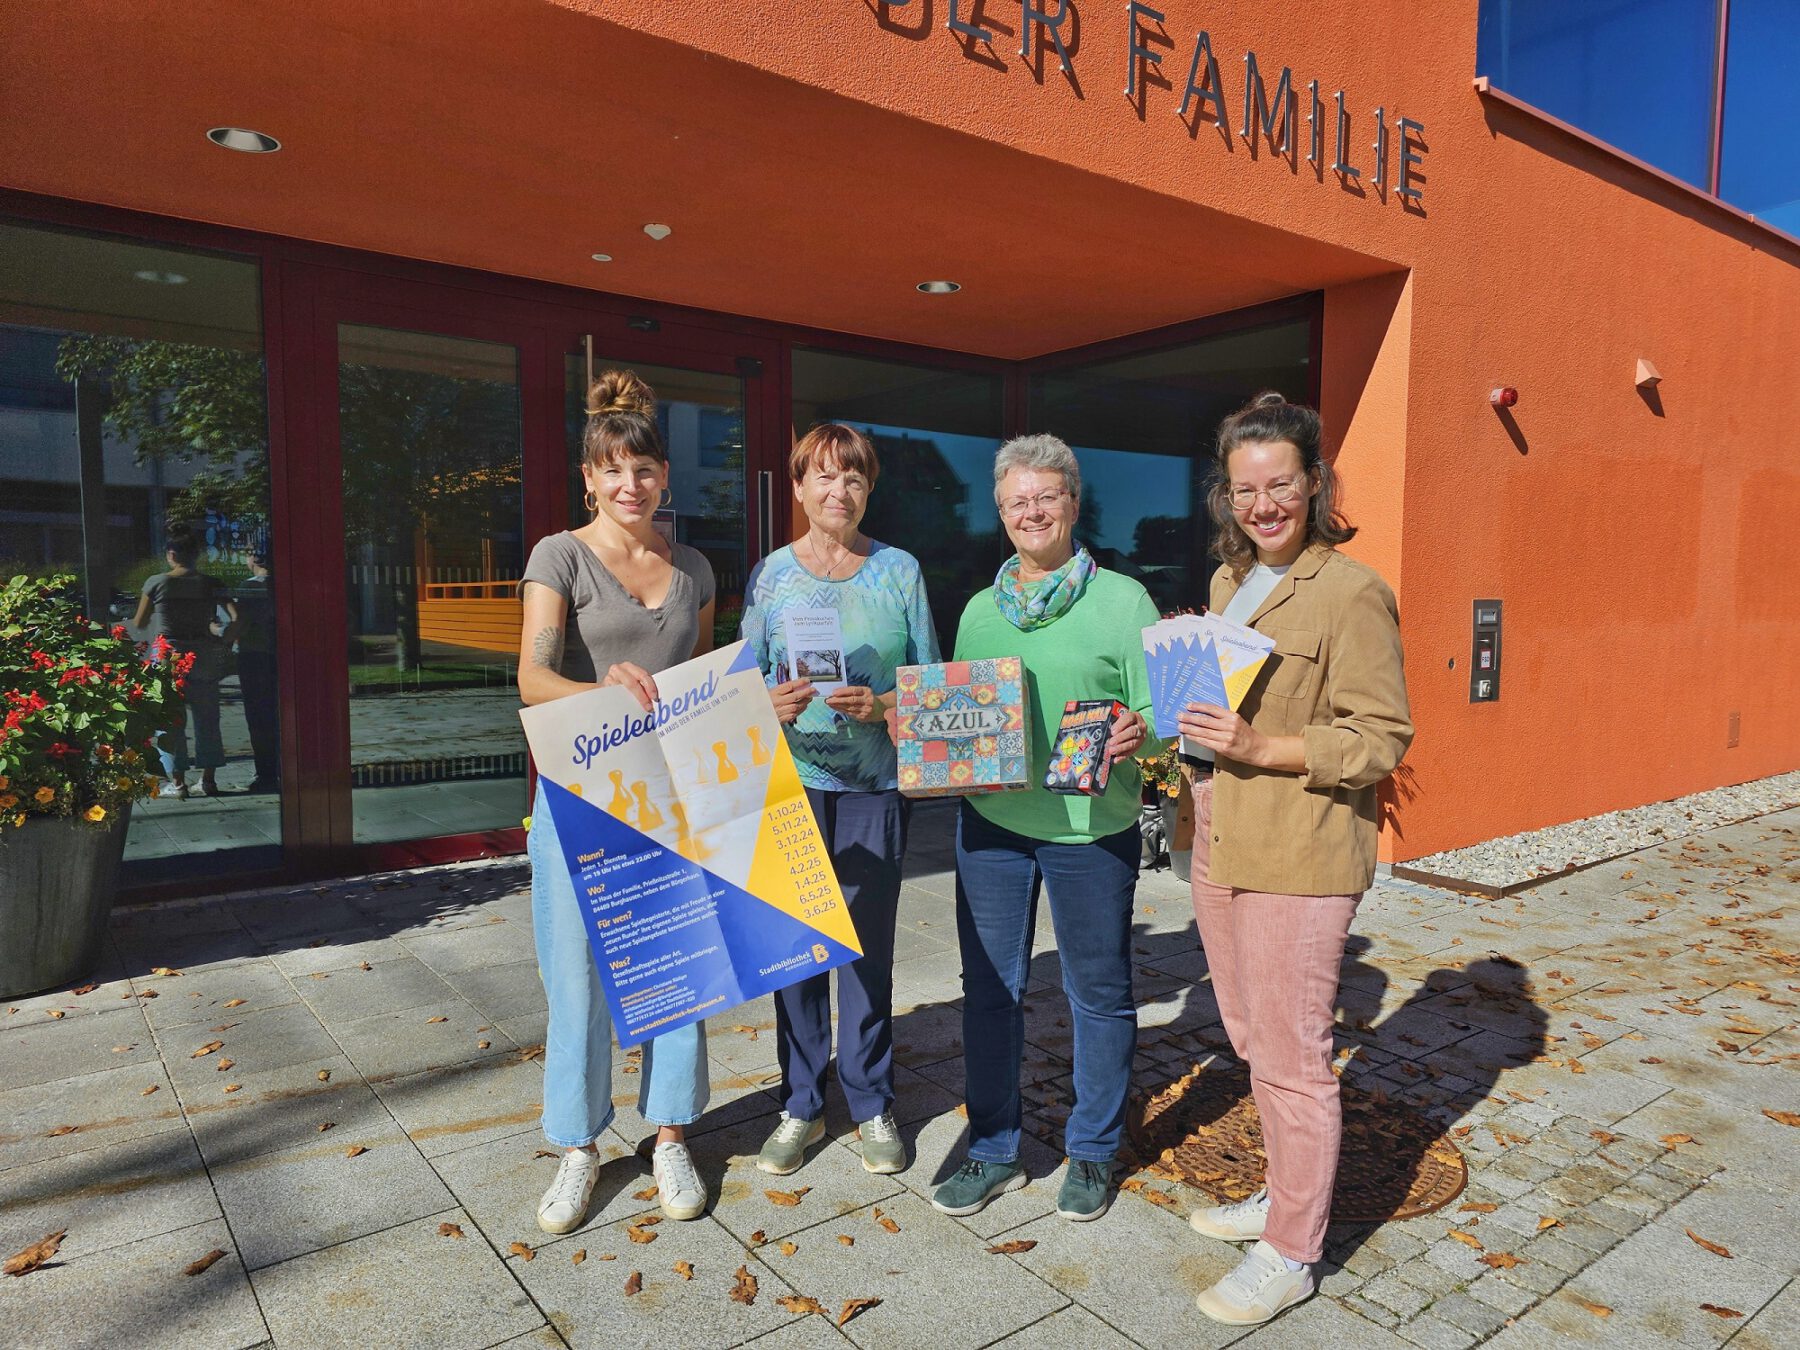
(1638, 74)
(1760, 167)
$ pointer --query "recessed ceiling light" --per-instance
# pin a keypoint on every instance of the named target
(156, 278)
(940, 287)
(602, 257)
(242, 138)
(658, 231)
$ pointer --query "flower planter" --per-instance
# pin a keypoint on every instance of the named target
(58, 875)
(1178, 829)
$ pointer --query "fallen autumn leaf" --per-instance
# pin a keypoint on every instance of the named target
(1712, 1247)
(685, 1269)
(854, 1307)
(205, 1262)
(634, 1283)
(744, 1291)
(800, 1303)
(30, 1258)
(1012, 1248)
(450, 1230)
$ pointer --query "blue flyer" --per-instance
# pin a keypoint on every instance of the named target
(695, 856)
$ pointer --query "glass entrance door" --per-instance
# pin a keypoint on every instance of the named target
(430, 431)
(701, 415)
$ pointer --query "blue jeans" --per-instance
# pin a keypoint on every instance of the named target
(865, 835)
(1092, 888)
(672, 1082)
(200, 700)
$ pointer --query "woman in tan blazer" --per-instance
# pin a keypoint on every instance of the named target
(1286, 824)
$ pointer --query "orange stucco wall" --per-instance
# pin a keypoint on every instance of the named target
(818, 159)
(1635, 542)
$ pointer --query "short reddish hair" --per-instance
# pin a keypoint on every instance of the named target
(835, 444)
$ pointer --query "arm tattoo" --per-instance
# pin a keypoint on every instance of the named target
(547, 648)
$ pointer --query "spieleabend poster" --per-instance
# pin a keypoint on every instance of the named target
(695, 856)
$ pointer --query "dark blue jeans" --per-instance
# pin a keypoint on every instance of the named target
(865, 834)
(1092, 889)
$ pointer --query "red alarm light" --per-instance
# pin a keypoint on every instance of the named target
(1504, 397)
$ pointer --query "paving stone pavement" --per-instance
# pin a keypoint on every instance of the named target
(337, 1072)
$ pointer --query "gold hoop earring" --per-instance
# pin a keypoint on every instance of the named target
(592, 502)
(668, 496)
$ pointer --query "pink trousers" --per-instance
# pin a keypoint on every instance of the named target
(1274, 964)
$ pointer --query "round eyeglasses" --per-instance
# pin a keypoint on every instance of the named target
(1243, 498)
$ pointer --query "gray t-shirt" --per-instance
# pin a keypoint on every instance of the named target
(1245, 601)
(608, 624)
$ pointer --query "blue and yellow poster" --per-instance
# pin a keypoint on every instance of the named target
(696, 859)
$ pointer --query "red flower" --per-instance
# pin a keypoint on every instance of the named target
(118, 630)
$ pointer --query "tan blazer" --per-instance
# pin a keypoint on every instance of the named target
(1335, 679)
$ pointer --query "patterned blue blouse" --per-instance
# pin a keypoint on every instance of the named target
(886, 624)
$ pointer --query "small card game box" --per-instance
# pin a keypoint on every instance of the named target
(960, 727)
(1079, 764)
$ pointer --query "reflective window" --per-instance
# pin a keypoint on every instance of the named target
(1637, 75)
(1760, 166)
(1142, 428)
(434, 540)
(701, 417)
(134, 453)
(935, 432)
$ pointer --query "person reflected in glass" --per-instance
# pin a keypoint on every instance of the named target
(180, 607)
(835, 723)
(1077, 627)
(610, 604)
(255, 602)
(1285, 824)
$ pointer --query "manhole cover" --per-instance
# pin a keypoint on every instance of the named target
(1203, 1129)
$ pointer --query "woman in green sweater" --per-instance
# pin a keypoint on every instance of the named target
(1078, 630)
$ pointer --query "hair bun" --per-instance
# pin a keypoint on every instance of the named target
(620, 391)
(1269, 398)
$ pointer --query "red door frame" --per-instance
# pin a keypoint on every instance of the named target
(320, 835)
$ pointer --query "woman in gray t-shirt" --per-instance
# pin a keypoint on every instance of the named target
(611, 603)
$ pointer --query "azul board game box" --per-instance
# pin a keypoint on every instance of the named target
(960, 727)
(1079, 764)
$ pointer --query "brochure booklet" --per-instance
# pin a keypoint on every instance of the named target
(815, 647)
(1200, 658)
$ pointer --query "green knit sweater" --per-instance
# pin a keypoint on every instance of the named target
(1095, 650)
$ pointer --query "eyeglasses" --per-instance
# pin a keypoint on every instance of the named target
(1015, 507)
(1243, 498)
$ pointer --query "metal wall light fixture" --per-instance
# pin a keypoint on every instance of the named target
(940, 287)
(1504, 396)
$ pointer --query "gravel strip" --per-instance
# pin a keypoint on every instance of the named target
(1518, 859)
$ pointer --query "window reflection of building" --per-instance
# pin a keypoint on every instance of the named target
(132, 401)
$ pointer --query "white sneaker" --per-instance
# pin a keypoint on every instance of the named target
(1260, 1289)
(565, 1204)
(1242, 1222)
(678, 1187)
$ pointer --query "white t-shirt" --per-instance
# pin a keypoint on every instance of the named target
(1257, 588)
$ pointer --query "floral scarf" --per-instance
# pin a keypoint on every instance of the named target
(1037, 604)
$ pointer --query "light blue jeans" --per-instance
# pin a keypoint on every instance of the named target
(673, 1087)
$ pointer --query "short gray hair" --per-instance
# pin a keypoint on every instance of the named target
(1040, 451)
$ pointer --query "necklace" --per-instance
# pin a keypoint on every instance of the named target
(819, 559)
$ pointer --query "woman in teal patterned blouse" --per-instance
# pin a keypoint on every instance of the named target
(839, 738)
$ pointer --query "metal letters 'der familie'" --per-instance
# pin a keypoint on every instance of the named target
(1399, 144)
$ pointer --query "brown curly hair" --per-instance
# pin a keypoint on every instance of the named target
(1270, 417)
(621, 425)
